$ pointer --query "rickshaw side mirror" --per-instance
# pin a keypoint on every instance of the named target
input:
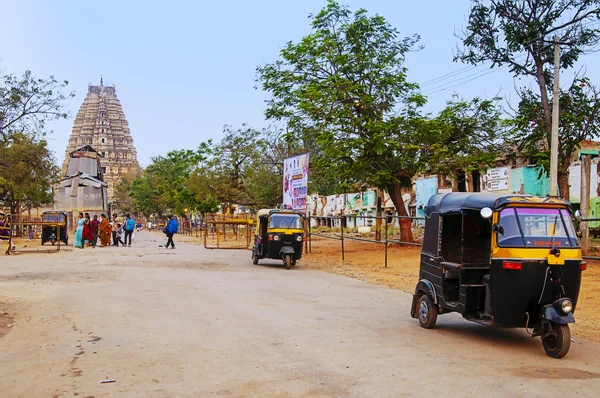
(498, 228)
(486, 213)
(578, 215)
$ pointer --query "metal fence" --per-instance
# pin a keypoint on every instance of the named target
(21, 226)
(386, 224)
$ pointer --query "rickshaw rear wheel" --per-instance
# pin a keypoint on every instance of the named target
(557, 345)
(428, 312)
(287, 260)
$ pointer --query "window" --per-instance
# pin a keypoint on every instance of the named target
(103, 170)
(286, 221)
(536, 227)
(102, 154)
(102, 131)
(103, 140)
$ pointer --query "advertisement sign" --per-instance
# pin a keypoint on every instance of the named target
(295, 182)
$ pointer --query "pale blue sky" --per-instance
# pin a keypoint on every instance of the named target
(183, 69)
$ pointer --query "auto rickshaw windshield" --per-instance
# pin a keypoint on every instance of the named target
(50, 218)
(285, 221)
(536, 227)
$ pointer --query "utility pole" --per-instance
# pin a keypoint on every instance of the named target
(555, 111)
(584, 201)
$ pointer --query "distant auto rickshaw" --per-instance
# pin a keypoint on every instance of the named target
(4, 227)
(279, 235)
(504, 260)
(54, 225)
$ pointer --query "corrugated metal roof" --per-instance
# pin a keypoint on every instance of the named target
(82, 165)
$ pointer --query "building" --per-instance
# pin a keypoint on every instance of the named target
(101, 124)
(83, 189)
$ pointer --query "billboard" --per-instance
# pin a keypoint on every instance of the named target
(295, 182)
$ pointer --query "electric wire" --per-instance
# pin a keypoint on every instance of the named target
(440, 85)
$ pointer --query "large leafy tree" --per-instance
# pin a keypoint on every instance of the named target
(27, 171)
(579, 121)
(465, 135)
(341, 86)
(162, 187)
(244, 168)
(519, 35)
(27, 103)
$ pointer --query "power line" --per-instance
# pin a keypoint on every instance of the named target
(439, 84)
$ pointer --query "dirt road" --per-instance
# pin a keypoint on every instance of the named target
(198, 323)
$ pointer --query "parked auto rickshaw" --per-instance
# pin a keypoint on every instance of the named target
(279, 235)
(50, 232)
(503, 260)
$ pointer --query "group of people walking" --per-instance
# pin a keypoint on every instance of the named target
(90, 230)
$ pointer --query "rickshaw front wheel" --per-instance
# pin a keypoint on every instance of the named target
(254, 258)
(287, 260)
(428, 312)
(558, 344)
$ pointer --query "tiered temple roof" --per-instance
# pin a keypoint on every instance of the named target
(101, 123)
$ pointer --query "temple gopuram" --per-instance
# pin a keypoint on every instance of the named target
(101, 124)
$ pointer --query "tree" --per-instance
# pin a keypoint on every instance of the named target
(466, 135)
(27, 171)
(27, 103)
(519, 34)
(123, 194)
(244, 168)
(341, 86)
(167, 178)
(579, 121)
(144, 198)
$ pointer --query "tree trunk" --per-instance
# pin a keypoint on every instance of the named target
(563, 185)
(395, 192)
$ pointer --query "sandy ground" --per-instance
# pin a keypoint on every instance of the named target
(365, 261)
(198, 323)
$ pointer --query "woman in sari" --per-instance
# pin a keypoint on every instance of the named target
(104, 231)
(78, 240)
(88, 237)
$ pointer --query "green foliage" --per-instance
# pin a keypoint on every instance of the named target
(27, 103)
(339, 87)
(466, 135)
(27, 171)
(501, 31)
(244, 168)
(579, 120)
(519, 34)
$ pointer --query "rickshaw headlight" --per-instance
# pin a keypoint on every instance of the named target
(276, 237)
(299, 238)
(566, 306)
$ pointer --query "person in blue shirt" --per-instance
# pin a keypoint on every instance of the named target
(170, 230)
(129, 228)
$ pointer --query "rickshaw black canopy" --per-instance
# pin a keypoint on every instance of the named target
(444, 203)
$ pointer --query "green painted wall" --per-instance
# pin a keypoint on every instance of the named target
(528, 179)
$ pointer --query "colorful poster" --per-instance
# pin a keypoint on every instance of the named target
(295, 182)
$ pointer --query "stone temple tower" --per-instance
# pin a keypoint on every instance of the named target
(101, 123)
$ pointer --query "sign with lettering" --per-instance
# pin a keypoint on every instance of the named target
(497, 185)
(498, 173)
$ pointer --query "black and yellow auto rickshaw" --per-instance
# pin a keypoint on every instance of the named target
(279, 235)
(54, 226)
(504, 260)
